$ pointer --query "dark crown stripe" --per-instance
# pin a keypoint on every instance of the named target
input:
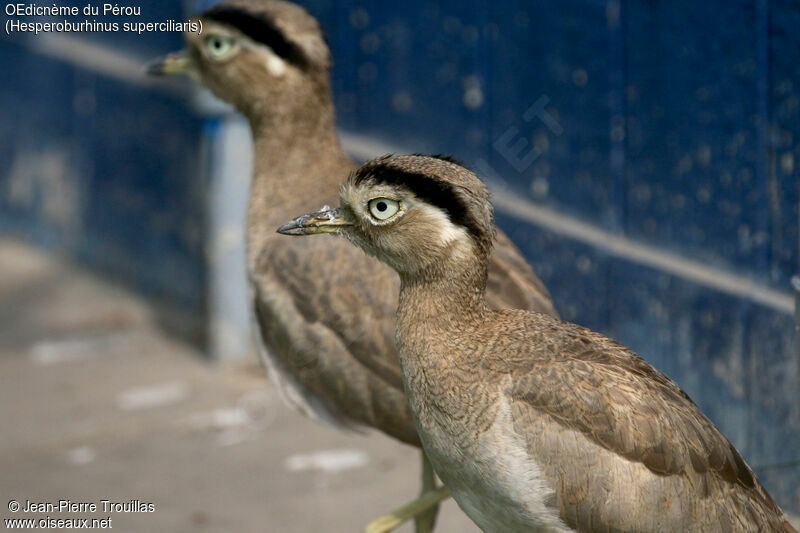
(435, 192)
(261, 30)
(444, 157)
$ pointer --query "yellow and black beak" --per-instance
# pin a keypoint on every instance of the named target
(170, 65)
(328, 221)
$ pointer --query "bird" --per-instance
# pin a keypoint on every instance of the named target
(533, 423)
(324, 314)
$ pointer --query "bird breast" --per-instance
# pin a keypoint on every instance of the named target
(466, 432)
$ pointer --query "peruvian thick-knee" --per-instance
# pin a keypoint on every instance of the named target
(324, 313)
(534, 424)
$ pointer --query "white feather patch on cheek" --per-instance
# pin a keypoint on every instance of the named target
(276, 65)
(448, 232)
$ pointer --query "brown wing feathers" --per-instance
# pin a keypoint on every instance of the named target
(612, 396)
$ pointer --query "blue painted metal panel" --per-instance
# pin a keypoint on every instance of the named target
(784, 161)
(411, 65)
(693, 175)
(554, 64)
(653, 118)
(146, 197)
(774, 390)
(576, 274)
(106, 170)
(455, 77)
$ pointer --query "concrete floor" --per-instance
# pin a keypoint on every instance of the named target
(97, 403)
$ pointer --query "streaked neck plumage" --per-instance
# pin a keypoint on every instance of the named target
(446, 296)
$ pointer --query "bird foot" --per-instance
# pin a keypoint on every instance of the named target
(398, 517)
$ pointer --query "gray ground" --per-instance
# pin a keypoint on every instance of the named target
(97, 403)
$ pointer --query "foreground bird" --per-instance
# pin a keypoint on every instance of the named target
(324, 311)
(534, 424)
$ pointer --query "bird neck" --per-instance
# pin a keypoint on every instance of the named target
(447, 294)
(298, 161)
(292, 136)
(304, 115)
(292, 151)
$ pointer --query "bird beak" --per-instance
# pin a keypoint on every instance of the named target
(330, 221)
(169, 65)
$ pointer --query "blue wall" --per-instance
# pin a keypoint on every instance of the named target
(98, 162)
(674, 124)
(668, 124)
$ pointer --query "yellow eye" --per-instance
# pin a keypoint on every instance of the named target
(383, 208)
(218, 46)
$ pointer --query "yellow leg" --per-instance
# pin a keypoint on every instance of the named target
(424, 522)
(398, 517)
(423, 510)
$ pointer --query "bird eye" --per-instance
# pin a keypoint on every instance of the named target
(218, 46)
(383, 208)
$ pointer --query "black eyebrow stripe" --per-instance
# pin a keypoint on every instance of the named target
(261, 30)
(432, 191)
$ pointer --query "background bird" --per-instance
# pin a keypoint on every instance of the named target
(324, 312)
(534, 424)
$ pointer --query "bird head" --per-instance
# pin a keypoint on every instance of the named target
(253, 52)
(412, 212)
